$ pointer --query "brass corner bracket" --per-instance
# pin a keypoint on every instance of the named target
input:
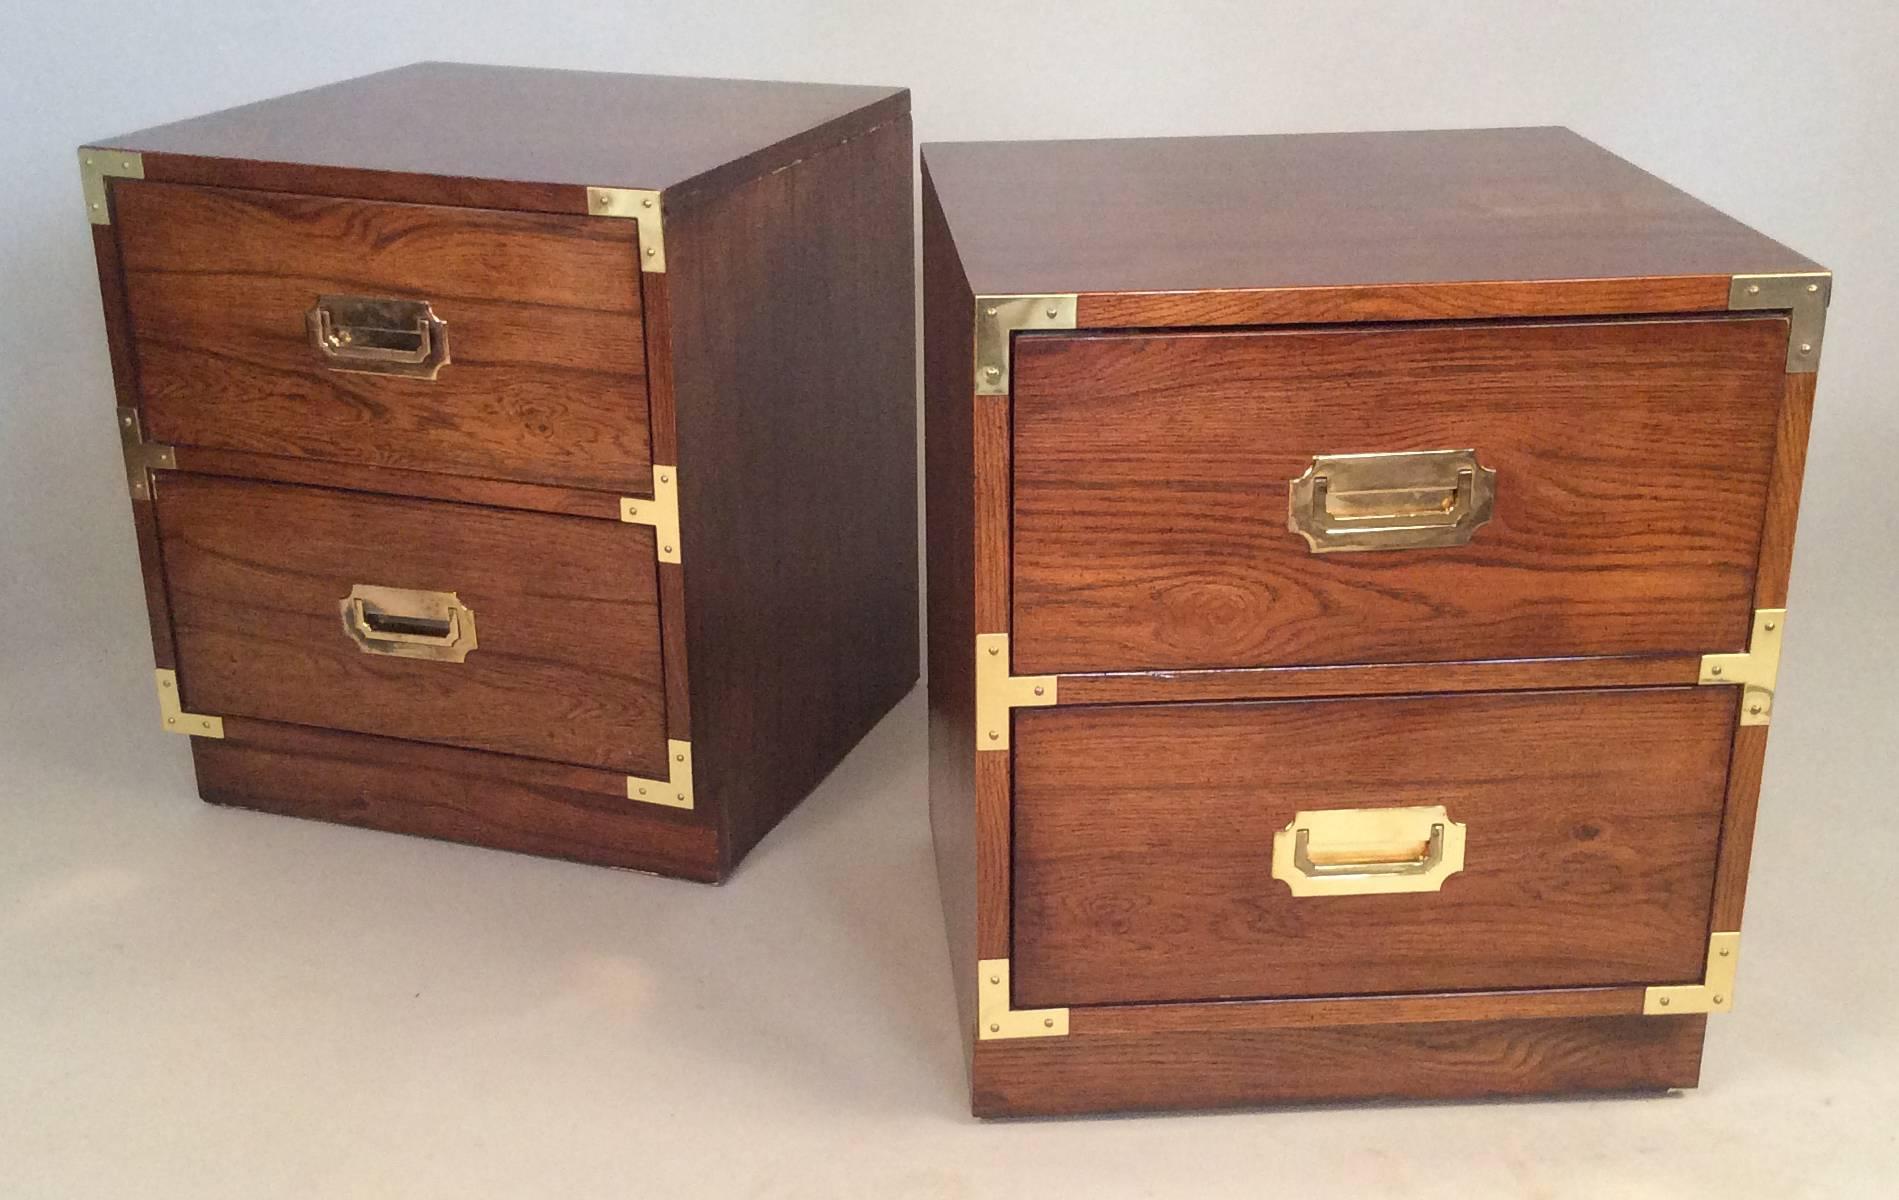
(177, 720)
(1715, 992)
(141, 457)
(1804, 294)
(997, 319)
(635, 204)
(996, 1020)
(1756, 670)
(661, 512)
(95, 167)
(675, 791)
(997, 691)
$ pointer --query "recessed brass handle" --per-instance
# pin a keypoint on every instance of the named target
(1368, 851)
(1398, 501)
(409, 624)
(378, 336)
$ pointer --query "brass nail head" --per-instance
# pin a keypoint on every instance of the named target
(647, 203)
(1714, 670)
(991, 310)
(669, 549)
(995, 735)
(1048, 1022)
(1753, 289)
(993, 650)
(1755, 709)
(1038, 691)
(668, 478)
(1806, 347)
(995, 1029)
(1664, 1000)
(993, 372)
(171, 720)
(1051, 310)
(651, 252)
(995, 979)
(1717, 999)
(1813, 287)
(1724, 952)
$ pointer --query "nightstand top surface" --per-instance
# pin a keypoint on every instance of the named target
(583, 128)
(1324, 210)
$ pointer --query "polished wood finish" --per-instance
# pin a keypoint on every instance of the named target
(1458, 1060)
(1246, 300)
(1149, 880)
(770, 366)
(497, 800)
(546, 374)
(568, 673)
(1151, 471)
(1482, 207)
(795, 394)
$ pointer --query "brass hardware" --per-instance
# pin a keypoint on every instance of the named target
(95, 167)
(1715, 992)
(1805, 295)
(995, 1020)
(661, 512)
(997, 691)
(636, 204)
(675, 791)
(997, 319)
(141, 457)
(1368, 851)
(402, 623)
(176, 719)
(1756, 670)
(378, 336)
(1400, 501)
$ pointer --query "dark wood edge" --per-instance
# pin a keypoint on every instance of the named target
(420, 485)
(1749, 758)
(1406, 302)
(995, 838)
(1100, 1020)
(1382, 679)
(663, 423)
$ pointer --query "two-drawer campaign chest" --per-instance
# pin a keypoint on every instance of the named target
(1357, 573)
(522, 457)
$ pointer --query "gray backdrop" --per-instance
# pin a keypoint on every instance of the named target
(1784, 115)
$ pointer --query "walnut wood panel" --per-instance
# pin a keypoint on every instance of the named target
(1446, 301)
(1455, 1060)
(1380, 679)
(546, 381)
(1325, 211)
(1143, 844)
(662, 406)
(949, 530)
(793, 318)
(1632, 462)
(514, 135)
(568, 665)
(1356, 1010)
(495, 800)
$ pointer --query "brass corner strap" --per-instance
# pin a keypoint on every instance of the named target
(176, 719)
(141, 457)
(95, 167)
(996, 1020)
(1715, 992)
(661, 512)
(998, 318)
(1756, 670)
(675, 791)
(997, 691)
(1804, 295)
(635, 204)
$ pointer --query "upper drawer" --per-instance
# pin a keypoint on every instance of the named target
(546, 375)
(1153, 477)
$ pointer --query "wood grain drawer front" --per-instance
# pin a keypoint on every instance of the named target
(546, 379)
(1143, 844)
(567, 667)
(1151, 491)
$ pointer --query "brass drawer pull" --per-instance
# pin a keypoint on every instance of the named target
(1390, 501)
(409, 624)
(1368, 851)
(378, 336)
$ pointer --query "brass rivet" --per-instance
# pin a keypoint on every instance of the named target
(651, 253)
(1714, 670)
(679, 758)
(632, 510)
(1051, 310)
(995, 1029)
(647, 203)
(1755, 709)
(1770, 626)
(167, 683)
(995, 735)
(1664, 1000)
(669, 549)
(665, 478)
(1038, 691)
(642, 791)
(1717, 999)
(1048, 1022)
(1724, 952)
(89, 160)
(679, 795)
(603, 200)
(96, 205)
(1806, 347)
(993, 650)
(1813, 287)
(126, 421)
(992, 372)
(990, 311)
(171, 720)
(1753, 289)
(996, 979)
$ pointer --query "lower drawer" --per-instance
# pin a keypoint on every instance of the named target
(522, 633)
(1527, 840)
